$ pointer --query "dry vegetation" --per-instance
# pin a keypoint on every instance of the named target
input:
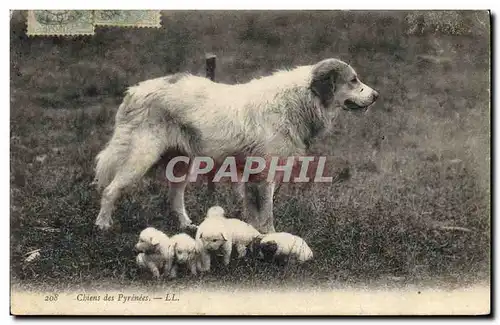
(413, 197)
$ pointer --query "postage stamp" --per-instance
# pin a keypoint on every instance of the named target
(206, 167)
(60, 22)
(127, 18)
(82, 22)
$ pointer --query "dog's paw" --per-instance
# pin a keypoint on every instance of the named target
(103, 223)
(103, 226)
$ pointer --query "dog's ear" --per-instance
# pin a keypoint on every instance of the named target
(154, 241)
(201, 235)
(170, 254)
(323, 79)
(255, 244)
(171, 251)
(223, 237)
(198, 246)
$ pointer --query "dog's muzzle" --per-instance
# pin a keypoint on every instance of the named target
(352, 106)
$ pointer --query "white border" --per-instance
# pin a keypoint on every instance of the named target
(190, 4)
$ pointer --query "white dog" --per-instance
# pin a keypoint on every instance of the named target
(282, 246)
(186, 252)
(155, 251)
(218, 233)
(185, 115)
(154, 262)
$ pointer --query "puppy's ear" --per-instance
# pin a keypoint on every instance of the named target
(154, 241)
(324, 77)
(201, 235)
(223, 237)
(255, 245)
(172, 251)
(198, 246)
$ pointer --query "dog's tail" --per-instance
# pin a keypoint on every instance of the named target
(109, 159)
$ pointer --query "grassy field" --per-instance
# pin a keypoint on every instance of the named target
(412, 198)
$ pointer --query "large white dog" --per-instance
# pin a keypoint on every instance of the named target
(192, 116)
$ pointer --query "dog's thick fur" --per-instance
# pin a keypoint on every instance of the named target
(186, 252)
(153, 262)
(192, 116)
(282, 246)
(218, 233)
(156, 251)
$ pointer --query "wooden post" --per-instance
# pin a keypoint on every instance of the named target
(210, 66)
(210, 74)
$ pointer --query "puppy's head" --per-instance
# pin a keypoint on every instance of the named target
(264, 250)
(336, 84)
(215, 212)
(149, 239)
(212, 241)
(184, 248)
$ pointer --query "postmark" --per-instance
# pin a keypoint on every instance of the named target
(60, 22)
(83, 22)
(127, 18)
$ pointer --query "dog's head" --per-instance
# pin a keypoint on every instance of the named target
(215, 212)
(184, 248)
(149, 240)
(212, 241)
(263, 250)
(336, 84)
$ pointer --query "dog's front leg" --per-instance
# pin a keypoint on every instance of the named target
(227, 248)
(204, 261)
(258, 206)
(266, 213)
(242, 250)
(168, 266)
(173, 272)
(193, 267)
(154, 269)
(239, 189)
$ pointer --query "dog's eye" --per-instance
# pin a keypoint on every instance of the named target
(354, 80)
(214, 240)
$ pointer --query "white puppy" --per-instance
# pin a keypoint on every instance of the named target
(186, 252)
(282, 246)
(155, 251)
(152, 262)
(218, 233)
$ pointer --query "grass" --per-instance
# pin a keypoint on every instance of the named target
(417, 163)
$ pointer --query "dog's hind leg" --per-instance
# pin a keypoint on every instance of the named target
(176, 201)
(146, 148)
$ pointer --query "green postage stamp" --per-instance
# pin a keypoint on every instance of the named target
(82, 22)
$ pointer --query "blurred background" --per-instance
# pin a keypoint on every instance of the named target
(411, 201)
